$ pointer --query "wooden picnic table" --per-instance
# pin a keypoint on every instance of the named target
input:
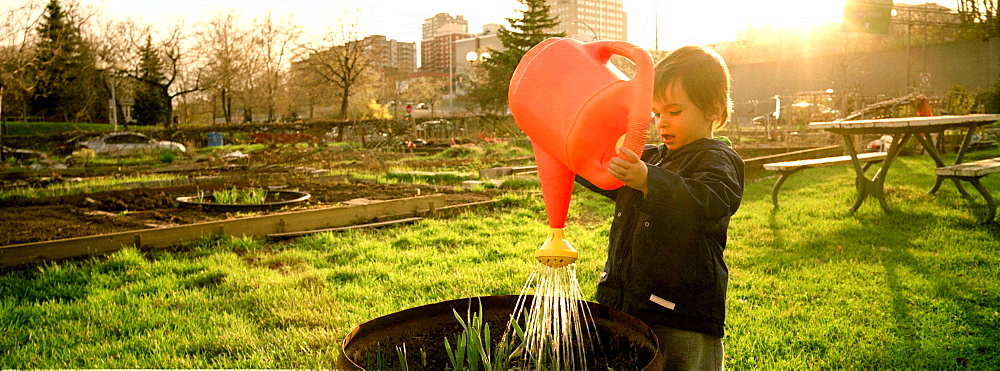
(902, 129)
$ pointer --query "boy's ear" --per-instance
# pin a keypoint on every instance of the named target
(715, 115)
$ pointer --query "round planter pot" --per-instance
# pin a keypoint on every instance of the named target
(627, 342)
(273, 201)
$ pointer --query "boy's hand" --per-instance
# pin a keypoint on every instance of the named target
(632, 171)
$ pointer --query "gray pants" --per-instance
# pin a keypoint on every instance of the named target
(688, 350)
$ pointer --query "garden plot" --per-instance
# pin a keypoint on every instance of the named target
(52, 218)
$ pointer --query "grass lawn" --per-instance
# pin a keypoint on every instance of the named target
(89, 185)
(51, 128)
(48, 128)
(811, 285)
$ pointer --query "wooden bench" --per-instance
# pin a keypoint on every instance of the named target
(971, 172)
(788, 168)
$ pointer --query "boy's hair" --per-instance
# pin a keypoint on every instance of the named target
(703, 76)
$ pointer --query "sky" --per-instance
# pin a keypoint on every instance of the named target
(680, 22)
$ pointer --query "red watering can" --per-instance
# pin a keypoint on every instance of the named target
(578, 110)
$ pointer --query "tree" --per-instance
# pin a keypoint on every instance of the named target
(992, 99)
(223, 41)
(15, 84)
(981, 13)
(150, 105)
(535, 25)
(429, 90)
(340, 60)
(135, 45)
(179, 78)
(273, 41)
(309, 89)
(62, 68)
(16, 39)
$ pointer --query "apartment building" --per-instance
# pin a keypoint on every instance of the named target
(590, 20)
(437, 47)
(443, 23)
(389, 55)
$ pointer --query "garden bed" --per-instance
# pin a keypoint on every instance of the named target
(46, 219)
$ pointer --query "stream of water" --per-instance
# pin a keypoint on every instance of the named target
(559, 330)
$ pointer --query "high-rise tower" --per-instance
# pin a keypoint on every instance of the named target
(589, 20)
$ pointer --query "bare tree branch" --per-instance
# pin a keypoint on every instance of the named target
(340, 58)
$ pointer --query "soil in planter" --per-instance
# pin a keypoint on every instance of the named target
(426, 351)
(622, 341)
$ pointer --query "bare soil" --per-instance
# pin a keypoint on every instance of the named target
(44, 219)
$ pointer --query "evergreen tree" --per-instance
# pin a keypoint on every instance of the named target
(535, 25)
(150, 101)
(63, 79)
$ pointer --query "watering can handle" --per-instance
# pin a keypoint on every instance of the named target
(642, 102)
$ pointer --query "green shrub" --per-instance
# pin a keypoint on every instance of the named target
(167, 157)
(992, 99)
(505, 150)
(462, 151)
(427, 177)
(239, 196)
(521, 183)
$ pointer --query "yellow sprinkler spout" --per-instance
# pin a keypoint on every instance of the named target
(556, 251)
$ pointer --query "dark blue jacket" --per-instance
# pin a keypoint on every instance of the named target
(665, 261)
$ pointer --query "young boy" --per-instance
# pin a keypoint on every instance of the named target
(671, 218)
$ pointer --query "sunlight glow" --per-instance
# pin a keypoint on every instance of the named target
(677, 22)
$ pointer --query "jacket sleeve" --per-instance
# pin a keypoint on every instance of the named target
(710, 191)
(647, 152)
(609, 193)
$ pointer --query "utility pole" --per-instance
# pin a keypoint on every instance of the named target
(110, 71)
(656, 26)
(114, 104)
(451, 73)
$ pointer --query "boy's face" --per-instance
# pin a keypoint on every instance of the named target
(678, 120)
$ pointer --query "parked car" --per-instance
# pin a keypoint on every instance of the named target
(127, 143)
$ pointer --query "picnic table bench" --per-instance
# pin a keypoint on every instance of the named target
(787, 168)
(971, 172)
(903, 129)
